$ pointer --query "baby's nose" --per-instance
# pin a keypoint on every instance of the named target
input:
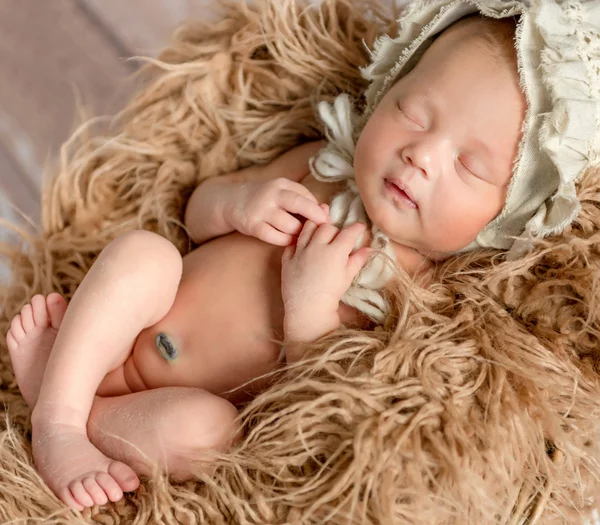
(420, 159)
(425, 155)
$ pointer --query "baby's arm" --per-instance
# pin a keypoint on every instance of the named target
(205, 216)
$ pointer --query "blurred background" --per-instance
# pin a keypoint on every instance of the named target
(56, 52)
(53, 51)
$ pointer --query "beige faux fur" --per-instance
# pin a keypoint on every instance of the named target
(477, 403)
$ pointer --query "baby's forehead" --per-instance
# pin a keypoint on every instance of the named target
(456, 72)
(464, 41)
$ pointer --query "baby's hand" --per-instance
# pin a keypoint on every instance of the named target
(264, 209)
(317, 271)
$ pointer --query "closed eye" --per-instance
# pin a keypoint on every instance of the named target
(471, 172)
(409, 117)
(467, 168)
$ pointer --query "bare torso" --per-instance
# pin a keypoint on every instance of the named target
(227, 310)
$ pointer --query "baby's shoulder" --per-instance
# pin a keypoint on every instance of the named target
(292, 164)
(323, 191)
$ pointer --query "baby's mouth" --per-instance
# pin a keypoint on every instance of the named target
(400, 191)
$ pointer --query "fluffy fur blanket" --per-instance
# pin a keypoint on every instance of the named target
(477, 403)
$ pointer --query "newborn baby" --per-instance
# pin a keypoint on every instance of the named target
(154, 351)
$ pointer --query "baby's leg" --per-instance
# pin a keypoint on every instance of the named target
(131, 286)
(174, 430)
(30, 339)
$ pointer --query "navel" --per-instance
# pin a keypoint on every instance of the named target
(165, 346)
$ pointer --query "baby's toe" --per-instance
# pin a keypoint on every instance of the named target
(124, 475)
(11, 342)
(80, 494)
(109, 485)
(95, 490)
(27, 318)
(57, 306)
(67, 498)
(16, 328)
(40, 310)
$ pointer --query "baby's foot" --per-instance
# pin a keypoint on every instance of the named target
(76, 471)
(30, 339)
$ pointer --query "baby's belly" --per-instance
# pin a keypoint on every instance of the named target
(227, 308)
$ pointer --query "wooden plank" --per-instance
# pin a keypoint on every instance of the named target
(144, 26)
(49, 52)
(15, 190)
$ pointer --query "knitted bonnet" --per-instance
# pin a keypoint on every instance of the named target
(558, 55)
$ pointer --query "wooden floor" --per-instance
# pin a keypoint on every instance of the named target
(54, 52)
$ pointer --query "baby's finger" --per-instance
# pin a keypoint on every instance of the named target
(325, 234)
(296, 187)
(347, 238)
(265, 232)
(357, 260)
(285, 222)
(288, 253)
(293, 202)
(306, 235)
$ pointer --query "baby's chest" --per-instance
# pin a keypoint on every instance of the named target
(235, 282)
(237, 276)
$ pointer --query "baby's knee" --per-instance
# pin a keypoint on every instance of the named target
(143, 243)
(198, 421)
(144, 251)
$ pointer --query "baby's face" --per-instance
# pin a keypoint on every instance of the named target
(435, 158)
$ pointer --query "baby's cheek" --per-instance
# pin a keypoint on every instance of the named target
(452, 232)
(372, 145)
(361, 161)
(377, 214)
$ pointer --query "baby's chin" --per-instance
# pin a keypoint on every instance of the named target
(432, 251)
(438, 256)
(446, 253)
(441, 253)
(429, 252)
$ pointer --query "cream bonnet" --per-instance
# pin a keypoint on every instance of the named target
(558, 53)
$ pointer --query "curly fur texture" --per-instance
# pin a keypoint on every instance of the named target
(478, 401)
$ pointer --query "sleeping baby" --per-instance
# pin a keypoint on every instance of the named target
(148, 362)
